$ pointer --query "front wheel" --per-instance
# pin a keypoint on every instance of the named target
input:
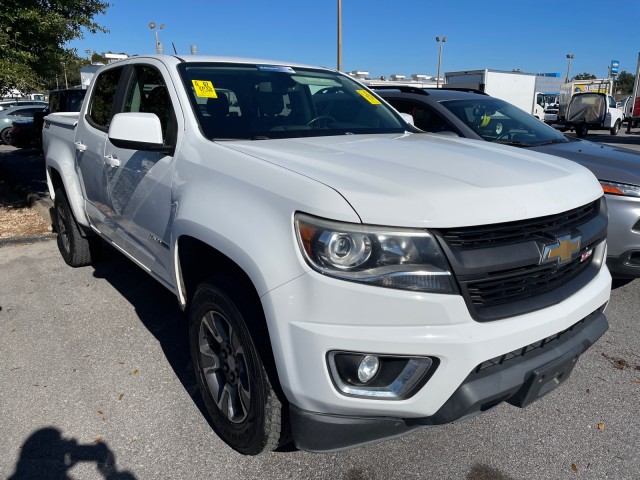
(616, 128)
(74, 248)
(246, 412)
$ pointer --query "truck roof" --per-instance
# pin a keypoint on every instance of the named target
(176, 59)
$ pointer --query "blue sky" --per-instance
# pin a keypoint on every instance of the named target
(384, 37)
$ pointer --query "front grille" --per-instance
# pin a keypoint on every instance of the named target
(512, 286)
(513, 232)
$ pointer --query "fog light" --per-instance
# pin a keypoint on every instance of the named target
(384, 377)
(368, 368)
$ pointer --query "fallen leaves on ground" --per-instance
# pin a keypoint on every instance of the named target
(16, 218)
(620, 363)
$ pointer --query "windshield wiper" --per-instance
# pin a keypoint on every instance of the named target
(513, 143)
(549, 142)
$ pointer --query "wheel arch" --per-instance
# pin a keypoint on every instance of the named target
(198, 262)
(57, 177)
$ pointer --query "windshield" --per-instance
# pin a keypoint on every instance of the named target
(498, 121)
(234, 101)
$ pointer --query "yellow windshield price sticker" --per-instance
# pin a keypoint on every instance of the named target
(204, 88)
(368, 97)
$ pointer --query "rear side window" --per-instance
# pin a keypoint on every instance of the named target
(101, 108)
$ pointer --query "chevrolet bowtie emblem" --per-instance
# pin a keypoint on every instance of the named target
(562, 251)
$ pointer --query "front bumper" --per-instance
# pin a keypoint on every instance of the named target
(518, 380)
(313, 315)
(623, 236)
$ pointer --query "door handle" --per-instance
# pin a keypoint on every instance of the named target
(80, 146)
(111, 160)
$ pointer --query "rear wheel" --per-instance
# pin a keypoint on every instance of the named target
(74, 248)
(616, 128)
(582, 130)
(237, 390)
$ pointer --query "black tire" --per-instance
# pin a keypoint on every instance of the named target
(616, 128)
(234, 382)
(581, 130)
(4, 136)
(74, 248)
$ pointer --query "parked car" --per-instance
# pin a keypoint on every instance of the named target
(9, 115)
(487, 118)
(626, 105)
(22, 134)
(62, 100)
(13, 102)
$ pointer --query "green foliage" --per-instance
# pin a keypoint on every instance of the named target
(34, 35)
(584, 76)
(625, 82)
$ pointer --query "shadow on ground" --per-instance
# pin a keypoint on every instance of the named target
(46, 455)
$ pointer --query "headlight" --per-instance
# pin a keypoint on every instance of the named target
(387, 257)
(615, 188)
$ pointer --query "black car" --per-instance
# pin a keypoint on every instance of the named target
(479, 116)
(63, 100)
(22, 134)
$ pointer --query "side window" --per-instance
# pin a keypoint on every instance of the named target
(423, 117)
(148, 92)
(101, 108)
(612, 102)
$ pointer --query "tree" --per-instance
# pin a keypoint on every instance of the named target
(584, 76)
(625, 82)
(34, 35)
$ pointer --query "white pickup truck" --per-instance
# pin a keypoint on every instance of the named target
(346, 280)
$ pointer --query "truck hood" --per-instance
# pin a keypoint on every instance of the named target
(605, 161)
(432, 180)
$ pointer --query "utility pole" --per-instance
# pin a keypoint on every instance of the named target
(440, 41)
(570, 57)
(339, 35)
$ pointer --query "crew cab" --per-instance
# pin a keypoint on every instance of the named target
(346, 279)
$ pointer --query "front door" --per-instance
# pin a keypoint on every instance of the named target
(139, 181)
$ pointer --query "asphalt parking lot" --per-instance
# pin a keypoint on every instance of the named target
(96, 383)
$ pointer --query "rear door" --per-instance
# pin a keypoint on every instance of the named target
(91, 137)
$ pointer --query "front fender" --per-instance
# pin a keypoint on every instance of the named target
(243, 207)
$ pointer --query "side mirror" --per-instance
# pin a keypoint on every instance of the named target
(407, 118)
(137, 131)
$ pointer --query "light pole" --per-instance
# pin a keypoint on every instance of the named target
(152, 26)
(569, 56)
(339, 35)
(440, 41)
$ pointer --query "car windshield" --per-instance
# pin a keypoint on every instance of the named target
(243, 101)
(498, 121)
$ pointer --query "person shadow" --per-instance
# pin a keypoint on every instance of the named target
(47, 455)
